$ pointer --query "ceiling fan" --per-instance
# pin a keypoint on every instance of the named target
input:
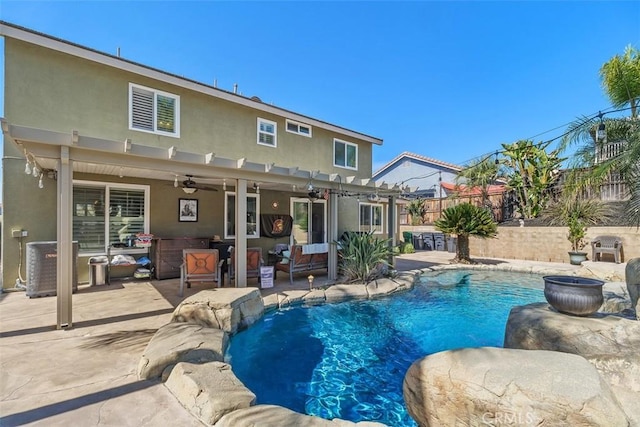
(189, 186)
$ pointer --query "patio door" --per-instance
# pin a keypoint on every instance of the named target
(309, 221)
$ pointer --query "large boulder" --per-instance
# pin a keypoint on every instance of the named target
(609, 342)
(338, 293)
(209, 391)
(229, 309)
(632, 278)
(537, 327)
(181, 342)
(495, 386)
(277, 416)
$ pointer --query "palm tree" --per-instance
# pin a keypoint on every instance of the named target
(621, 79)
(480, 174)
(466, 220)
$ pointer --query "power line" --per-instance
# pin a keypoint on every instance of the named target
(586, 120)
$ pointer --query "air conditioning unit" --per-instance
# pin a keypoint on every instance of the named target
(42, 268)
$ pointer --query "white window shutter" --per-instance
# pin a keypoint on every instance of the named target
(142, 109)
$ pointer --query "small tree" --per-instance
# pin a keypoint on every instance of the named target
(531, 172)
(577, 232)
(417, 210)
(466, 220)
(480, 174)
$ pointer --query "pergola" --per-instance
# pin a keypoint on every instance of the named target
(64, 154)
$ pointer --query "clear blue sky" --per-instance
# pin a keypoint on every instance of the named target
(448, 80)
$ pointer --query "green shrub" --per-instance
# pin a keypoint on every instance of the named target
(407, 248)
(363, 257)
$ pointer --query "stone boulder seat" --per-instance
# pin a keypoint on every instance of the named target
(606, 245)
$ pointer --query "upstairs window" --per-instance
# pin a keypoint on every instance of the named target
(371, 218)
(345, 154)
(154, 111)
(267, 132)
(299, 128)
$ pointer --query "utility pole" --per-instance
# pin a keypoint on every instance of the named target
(440, 199)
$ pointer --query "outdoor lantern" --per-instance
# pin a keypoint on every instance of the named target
(601, 134)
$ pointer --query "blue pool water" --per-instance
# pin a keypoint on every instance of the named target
(348, 360)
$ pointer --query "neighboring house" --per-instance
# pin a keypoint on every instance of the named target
(113, 148)
(435, 182)
(422, 174)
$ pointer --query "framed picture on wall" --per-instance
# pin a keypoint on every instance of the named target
(188, 210)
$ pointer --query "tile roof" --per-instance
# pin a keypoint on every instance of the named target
(407, 154)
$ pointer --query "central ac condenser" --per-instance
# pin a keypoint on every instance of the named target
(42, 268)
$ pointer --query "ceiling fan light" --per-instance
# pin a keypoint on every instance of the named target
(189, 190)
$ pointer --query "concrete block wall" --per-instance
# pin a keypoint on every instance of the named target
(547, 244)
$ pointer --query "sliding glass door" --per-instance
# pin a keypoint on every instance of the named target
(309, 221)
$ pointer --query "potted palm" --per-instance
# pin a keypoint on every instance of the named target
(576, 213)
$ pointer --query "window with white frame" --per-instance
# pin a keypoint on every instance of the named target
(345, 154)
(106, 214)
(253, 215)
(298, 128)
(371, 218)
(267, 132)
(154, 111)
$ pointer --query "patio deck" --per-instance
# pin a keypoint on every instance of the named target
(86, 375)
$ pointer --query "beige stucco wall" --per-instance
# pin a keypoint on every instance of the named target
(51, 90)
(547, 244)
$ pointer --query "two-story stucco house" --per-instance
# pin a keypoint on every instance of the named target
(98, 148)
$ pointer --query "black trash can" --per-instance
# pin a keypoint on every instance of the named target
(427, 238)
(418, 243)
(98, 270)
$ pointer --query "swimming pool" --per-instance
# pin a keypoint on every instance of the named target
(348, 360)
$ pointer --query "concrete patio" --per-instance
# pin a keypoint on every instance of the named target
(86, 375)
